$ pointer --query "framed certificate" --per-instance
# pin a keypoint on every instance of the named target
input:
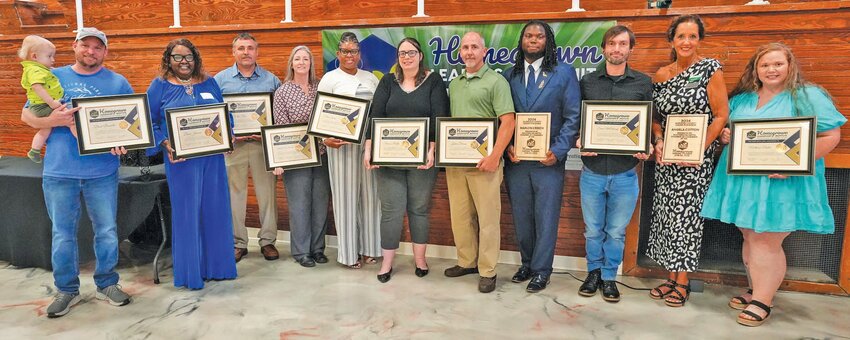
(462, 142)
(616, 127)
(289, 147)
(112, 121)
(338, 116)
(531, 135)
(784, 146)
(195, 131)
(250, 111)
(684, 138)
(400, 141)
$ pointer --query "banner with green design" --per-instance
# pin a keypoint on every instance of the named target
(578, 45)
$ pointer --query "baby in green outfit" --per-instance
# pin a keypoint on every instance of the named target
(43, 88)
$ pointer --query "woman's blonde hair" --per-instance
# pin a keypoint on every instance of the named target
(750, 81)
(290, 72)
(32, 44)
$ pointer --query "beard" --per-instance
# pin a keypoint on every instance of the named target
(96, 63)
(533, 55)
(617, 60)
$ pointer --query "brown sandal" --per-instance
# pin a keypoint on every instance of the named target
(356, 265)
(660, 295)
(739, 302)
(676, 298)
(756, 320)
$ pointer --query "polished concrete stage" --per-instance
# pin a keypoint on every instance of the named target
(282, 300)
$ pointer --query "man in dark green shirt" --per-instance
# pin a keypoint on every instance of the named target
(609, 183)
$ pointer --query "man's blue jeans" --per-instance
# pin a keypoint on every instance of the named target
(62, 197)
(607, 203)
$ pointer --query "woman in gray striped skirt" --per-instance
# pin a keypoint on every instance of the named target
(357, 211)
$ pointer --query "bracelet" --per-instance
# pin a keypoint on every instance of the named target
(656, 140)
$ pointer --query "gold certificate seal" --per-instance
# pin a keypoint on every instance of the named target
(624, 130)
(123, 124)
(208, 132)
(782, 148)
(255, 116)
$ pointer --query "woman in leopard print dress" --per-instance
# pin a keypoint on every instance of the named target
(690, 85)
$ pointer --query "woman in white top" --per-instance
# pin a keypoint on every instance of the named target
(357, 212)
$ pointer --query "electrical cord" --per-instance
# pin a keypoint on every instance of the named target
(620, 283)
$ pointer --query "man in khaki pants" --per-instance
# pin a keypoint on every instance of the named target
(474, 193)
(243, 77)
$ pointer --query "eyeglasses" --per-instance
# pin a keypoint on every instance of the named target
(179, 58)
(409, 54)
(349, 52)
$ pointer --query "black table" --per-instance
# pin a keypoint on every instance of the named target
(25, 227)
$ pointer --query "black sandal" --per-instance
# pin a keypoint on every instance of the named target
(756, 320)
(739, 302)
(660, 295)
(677, 299)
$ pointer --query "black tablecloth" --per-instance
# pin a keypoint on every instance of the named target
(25, 227)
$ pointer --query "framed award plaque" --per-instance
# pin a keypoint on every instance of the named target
(463, 142)
(196, 131)
(684, 138)
(400, 141)
(107, 122)
(250, 111)
(783, 146)
(616, 127)
(289, 147)
(339, 117)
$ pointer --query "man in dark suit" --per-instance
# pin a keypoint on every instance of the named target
(540, 83)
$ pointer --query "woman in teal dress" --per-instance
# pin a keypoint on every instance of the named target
(766, 209)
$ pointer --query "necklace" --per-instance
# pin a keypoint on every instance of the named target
(679, 69)
(187, 85)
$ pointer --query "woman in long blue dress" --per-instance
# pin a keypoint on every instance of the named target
(202, 230)
(768, 208)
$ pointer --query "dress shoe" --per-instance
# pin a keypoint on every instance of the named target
(421, 272)
(591, 283)
(239, 253)
(270, 252)
(522, 274)
(383, 278)
(610, 292)
(320, 258)
(487, 284)
(460, 271)
(538, 282)
(306, 261)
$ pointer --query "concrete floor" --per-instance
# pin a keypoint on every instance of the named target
(282, 300)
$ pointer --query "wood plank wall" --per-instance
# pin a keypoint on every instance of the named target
(818, 31)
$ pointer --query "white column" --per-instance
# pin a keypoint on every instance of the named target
(420, 9)
(576, 7)
(176, 14)
(79, 5)
(759, 2)
(287, 11)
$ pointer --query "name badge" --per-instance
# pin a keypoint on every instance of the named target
(693, 82)
(207, 95)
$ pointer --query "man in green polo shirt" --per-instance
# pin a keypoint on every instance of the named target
(474, 193)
